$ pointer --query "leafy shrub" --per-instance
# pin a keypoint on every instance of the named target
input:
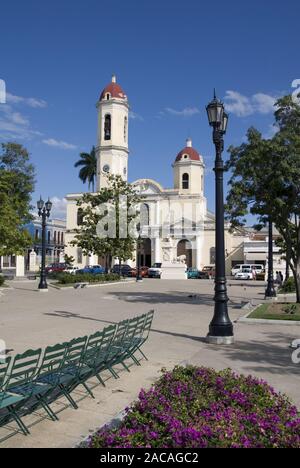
(199, 407)
(288, 286)
(68, 278)
(1, 280)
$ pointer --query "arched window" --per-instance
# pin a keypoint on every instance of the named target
(107, 127)
(36, 234)
(79, 217)
(107, 97)
(185, 181)
(58, 238)
(49, 237)
(54, 237)
(144, 215)
(62, 237)
(125, 128)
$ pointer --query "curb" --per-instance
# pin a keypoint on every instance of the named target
(54, 286)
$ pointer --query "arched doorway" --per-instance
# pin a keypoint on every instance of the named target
(184, 247)
(145, 252)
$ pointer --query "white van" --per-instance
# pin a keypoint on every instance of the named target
(247, 266)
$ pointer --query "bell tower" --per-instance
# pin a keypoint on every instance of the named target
(189, 171)
(112, 141)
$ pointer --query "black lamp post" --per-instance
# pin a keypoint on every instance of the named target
(139, 277)
(43, 211)
(270, 291)
(220, 329)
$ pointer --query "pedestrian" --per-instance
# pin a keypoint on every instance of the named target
(278, 279)
(281, 276)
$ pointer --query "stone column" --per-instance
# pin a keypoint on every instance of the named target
(20, 266)
(32, 261)
(198, 250)
(157, 240)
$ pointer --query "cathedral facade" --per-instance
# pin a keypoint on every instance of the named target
(176, 221)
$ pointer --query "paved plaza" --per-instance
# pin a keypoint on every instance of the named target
(183, 310)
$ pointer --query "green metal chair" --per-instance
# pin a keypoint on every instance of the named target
(19, 387)
(97, 360)
(145, 335)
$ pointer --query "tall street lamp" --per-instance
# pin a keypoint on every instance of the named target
(43, 211)
(270, 291)
(220, 329)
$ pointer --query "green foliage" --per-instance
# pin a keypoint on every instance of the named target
(88, 171)
(118, 197)
(69, 260)
(67, 278)
(264, 181)
(16, 185)
(2, 280)
(288, 286)
(290, 309)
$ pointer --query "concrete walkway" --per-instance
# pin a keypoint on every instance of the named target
(183, 312)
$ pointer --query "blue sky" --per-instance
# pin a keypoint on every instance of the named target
(57, 56)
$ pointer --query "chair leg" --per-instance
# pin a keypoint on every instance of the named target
(100, 380)
(47, 408)
(125, 367)
(134, 359)
(143, 354)
(113, 372)
(88, 389)
(68, 397)
(19, 421)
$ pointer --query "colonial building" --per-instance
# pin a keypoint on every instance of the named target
(176, 220)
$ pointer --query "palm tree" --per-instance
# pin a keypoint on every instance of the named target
(88, 170)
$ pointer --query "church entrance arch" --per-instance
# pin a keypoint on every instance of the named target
(146, 252)
(184, 247)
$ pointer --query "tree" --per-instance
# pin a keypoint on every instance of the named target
(265, 181)
(88, 171)
(113, 208)
(69, 260)
(17, 178)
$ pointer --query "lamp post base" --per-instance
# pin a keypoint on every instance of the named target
(43, 290)
(220, 340)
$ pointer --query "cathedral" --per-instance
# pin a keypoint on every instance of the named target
(176, 220)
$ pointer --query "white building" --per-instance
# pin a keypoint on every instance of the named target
(178, 222)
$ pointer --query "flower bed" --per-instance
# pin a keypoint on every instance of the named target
(199, 407)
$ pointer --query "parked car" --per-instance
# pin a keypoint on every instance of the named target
(55, 267)
(236, 269)
(155, 271)
(210, 271)
(144, 271)
(203, 275)
(125, 270)
(192, 273)
(71, 269)
(93, 270)
(244, 274)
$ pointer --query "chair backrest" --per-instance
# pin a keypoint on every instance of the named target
(53, 359)
(135, 327)
(75, 352)
(93, 346)
(147, 324)
(108, 336)
(120, 332)
(23, 369)
(4, 366)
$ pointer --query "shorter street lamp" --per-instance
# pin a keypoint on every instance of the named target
(270, 291)
(220, 329)
(43, 211)
(139, 278)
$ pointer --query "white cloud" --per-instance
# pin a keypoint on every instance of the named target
(186, 112)
(243, 106)
(135, 116)
(31, 102)
(14, 124)
(59, 144)
(59, 208)
(272, 130)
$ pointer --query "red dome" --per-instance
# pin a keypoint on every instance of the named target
(189, 151)
(114, 89)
